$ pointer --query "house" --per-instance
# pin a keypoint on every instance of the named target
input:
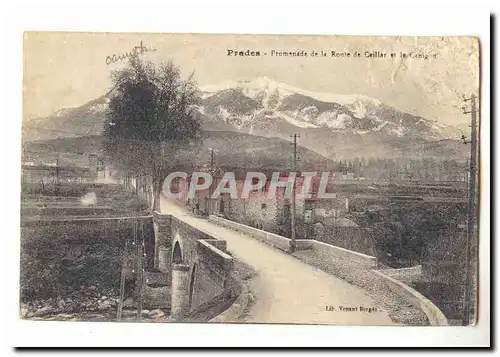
(260, 208)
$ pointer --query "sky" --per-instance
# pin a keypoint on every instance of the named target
(64, 69)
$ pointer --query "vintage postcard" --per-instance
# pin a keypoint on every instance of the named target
(250, 179)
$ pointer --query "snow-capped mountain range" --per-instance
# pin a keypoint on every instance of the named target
(264, 104)
(330, 124)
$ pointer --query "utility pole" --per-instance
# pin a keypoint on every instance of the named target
(210, 189)
(471, 209)
(57, 169)
(122, 282)
(211, 159)
(466, 179)
(295, 136)
(142, 263)
(103, 168)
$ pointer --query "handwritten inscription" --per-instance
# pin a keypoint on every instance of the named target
(136, 51)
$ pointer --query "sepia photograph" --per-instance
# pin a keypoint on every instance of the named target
(250, 179)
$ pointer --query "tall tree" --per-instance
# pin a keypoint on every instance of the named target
(152, 125)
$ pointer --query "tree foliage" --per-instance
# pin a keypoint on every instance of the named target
(410, 232)
(152, 125)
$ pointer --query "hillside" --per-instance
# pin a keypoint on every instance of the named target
(231, 149)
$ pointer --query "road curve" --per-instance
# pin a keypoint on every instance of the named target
(287, 290)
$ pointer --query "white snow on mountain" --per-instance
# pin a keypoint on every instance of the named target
(224, 114)
(62, 112)
(308, 113)
(269, 86)
(358, 113)
(293, 121)
(360, 107)
(260, 104)
(332, 120)
(398, 131)
(100, 107)
(200, 109)
(270, 94)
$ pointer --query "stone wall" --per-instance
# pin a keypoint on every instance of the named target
(328, 252)
(272, 239)
(433, 313)
(199, 263)
(210, 276)
(323, 251)
(163, 243)
(258, 211)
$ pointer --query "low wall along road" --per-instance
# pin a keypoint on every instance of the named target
(326, 252)
(434, 315)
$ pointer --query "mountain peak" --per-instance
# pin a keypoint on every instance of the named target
(262, 82)
(254, 86)
(263, 101)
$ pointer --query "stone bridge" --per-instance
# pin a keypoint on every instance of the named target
(196, 263)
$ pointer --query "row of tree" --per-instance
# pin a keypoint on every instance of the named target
(424, 169)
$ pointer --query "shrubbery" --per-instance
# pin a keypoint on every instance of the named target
(44, 272)
(405, 235)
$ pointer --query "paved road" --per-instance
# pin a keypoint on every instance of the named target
(287, 290)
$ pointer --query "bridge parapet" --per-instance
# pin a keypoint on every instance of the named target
(269, 238)
(197, 264)
(218, 261)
